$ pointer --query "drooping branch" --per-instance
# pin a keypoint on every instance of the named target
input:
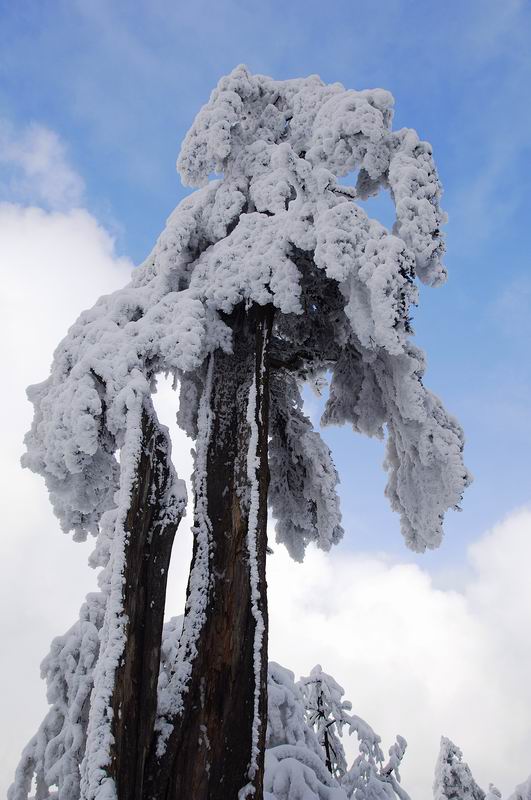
(53, 756)
(303, 491)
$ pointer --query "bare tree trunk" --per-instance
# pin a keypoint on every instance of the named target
(151, 531)
(217, 744)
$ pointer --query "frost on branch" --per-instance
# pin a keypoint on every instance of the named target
(424, 444)
(326, 712)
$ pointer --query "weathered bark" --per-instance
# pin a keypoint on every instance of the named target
(209, 753)
(151, 531)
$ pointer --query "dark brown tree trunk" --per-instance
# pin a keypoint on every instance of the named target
(151, 532)
(217, 744)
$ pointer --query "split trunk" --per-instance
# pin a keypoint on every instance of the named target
(217, 744)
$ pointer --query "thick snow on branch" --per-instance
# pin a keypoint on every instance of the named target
(254, 413)
(54, 754)
(328, 714)
(294, 773)
(276, 214)
(522, 791)
(303, 763)
(424, 445)
(94, 769)
(302, 487)
(453, 778)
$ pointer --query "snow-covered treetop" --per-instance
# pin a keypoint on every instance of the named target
(522, 791)
(276, 227)
(453, 778)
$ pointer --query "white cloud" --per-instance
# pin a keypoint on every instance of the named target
(414, 659)
(418, 660)
(34, 167)
(52, 265)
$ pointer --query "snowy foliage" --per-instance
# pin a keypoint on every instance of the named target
(303, 477)
(453, 778)
(54, 754)
(276, 226)
(326, 712)
(303, 764)
(522, 791)
(295, 757)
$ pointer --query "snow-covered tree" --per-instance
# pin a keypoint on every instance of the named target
(522, 791)
(453, 778)
(54, 754)
(327, 714)
(305, 721)
(268, 275)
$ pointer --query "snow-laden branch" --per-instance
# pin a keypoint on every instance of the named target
(54, 754)
(302, 490)
(280, 148)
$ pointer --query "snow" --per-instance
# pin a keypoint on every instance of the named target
(302, 489)
(453, 778)
(299, 715)
(254, 411)
(280, 147)
(522, 791)
(294, 773)
(95, 782)
(54, 754)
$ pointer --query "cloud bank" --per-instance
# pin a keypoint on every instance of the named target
(416, 659)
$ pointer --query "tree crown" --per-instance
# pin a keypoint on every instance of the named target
(277, 227)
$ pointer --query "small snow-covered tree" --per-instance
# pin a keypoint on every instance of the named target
(326, 712)
(305, 759)
(453, 778)
(268, 275)
(522, 791)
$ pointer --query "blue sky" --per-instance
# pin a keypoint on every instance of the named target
(103, 92)
(120, 83)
